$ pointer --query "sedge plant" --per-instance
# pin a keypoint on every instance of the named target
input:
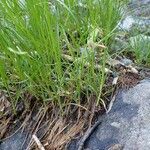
(34, 37)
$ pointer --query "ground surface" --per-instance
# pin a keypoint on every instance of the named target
(128, 123)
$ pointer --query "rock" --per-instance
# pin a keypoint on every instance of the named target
(18, 141)
(138, 3)
(139, 17)
(127, 23)
(136, 21)
(128, 123)
(126, 61)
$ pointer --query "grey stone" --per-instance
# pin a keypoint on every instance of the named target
(128, 123)
(18, 141)
(126, 61)
(134, 23)
(139, 16)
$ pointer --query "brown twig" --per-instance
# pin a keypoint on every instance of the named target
(89, 132)
(37, 141)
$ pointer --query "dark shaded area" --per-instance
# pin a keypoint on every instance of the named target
(125, 110)
(18, 141)
(107, 135)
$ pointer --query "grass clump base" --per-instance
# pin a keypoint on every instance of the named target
(53, 51)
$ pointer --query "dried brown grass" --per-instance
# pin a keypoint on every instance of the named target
(55, 131)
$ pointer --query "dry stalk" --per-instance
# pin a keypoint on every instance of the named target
(37, 141)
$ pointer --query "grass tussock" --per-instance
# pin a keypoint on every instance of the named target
(49, 49)
(140, 45)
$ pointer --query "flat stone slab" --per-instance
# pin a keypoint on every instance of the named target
(18, 141)
(128, 122)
